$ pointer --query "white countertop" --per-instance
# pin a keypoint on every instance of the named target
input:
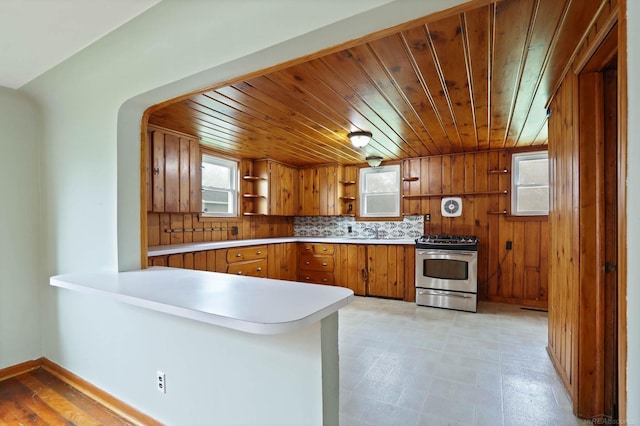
(189, 247)
(252, 305)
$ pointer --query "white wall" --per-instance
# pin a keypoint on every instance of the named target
(20, 273)
(633, 213)
(92, 106)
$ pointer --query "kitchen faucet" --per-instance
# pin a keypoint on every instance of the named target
(375, 229)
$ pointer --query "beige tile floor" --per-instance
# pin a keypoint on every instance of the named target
(402, 364)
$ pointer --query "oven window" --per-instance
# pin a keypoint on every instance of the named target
(446, 269)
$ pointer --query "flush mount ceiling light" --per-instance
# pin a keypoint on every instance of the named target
(359, 138)
(374, 160)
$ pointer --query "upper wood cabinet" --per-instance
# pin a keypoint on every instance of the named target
(173, 173)
(322, 190)
(269, 188)
(283, 190)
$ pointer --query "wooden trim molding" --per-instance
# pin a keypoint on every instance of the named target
(23, 367)
(622, 211)
(108, 401)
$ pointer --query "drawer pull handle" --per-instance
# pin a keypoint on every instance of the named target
(238, 254)
(307, 278)
(307, 248)
(324, 280)
(307, 263)
(259, 269)
(324, 249)
(258, 252)
(324, 263)
(239, 273)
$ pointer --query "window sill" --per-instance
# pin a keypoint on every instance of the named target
(536, 218)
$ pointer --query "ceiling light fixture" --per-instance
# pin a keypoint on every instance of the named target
(359, 138)
(374, 160)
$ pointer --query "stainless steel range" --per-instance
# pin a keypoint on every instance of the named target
(447, 272)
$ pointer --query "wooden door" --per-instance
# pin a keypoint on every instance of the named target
(610, 122)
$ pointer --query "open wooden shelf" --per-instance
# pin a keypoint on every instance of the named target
(410, 179)
(498, 172)
(253, 196)
(348, 182)
(252, 178)
(348, 198)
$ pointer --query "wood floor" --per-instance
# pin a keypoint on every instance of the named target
(39, 398)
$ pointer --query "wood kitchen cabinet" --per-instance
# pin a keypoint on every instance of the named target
(173, 173)
(283, 189)
(249, 261)
(386, 271)
(320, 191)
(351, 267)
(282, 261)
(379, 270)
(316, 263)
(199, 260)
(269, 188)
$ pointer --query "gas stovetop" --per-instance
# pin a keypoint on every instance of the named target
(448, 242)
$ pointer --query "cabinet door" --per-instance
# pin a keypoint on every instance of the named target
(175, 174)
(386, 271)
(350, 267)
(328, 190)
(282, 261)
(283, 191)
(308, 198)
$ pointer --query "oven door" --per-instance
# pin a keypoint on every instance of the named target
(454, 270)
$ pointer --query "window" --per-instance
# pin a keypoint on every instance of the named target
(530, 184)
(219, 187)
(380, 191)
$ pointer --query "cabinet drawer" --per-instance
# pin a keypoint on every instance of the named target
(252, 268)
(246, 253)
(315, 248)
(317, 277)
(309, 262)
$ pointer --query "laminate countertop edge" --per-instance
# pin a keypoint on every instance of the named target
(214, 245)
(252, 305)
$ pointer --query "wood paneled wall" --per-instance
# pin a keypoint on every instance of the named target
(516, 276)
(578, 220)
(248, 227)
(564, 227)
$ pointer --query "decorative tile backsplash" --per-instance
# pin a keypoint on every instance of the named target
(334, 226)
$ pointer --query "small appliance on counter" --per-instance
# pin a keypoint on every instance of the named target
(447, 272)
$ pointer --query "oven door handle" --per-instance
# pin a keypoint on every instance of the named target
(444, 293)
(446, 252)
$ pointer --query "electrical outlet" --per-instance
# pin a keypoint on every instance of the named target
(509, 245)
(349, 229)
(427, 217)
(161, 381)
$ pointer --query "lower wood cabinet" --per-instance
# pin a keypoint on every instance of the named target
(368, 269)
(316, 263)
(282, 261)
(386, 271)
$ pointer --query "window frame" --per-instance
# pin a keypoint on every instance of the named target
(516, 159)
(234, 174)
(362, 195)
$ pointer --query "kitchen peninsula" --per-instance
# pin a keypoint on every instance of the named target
(266, 341)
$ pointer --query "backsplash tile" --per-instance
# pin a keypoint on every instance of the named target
(336, 226)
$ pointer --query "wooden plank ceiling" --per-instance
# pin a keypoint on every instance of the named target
(475, 80)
